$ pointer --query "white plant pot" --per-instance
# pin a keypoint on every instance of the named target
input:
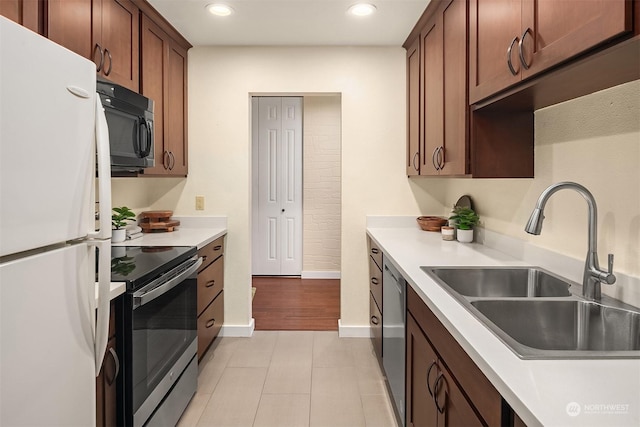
(464, 236)
(118, 236)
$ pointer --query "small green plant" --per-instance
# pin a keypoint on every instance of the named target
(465, 218)
(121, 216)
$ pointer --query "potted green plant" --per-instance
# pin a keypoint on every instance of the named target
(465, 219)
(119, 220)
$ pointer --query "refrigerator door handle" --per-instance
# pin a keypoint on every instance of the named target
(104, 174)
(104, 300)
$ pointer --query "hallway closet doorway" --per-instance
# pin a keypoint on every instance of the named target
(277, 192)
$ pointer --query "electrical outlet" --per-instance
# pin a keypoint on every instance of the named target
(199, 203)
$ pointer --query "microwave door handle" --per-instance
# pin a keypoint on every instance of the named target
(144, 124)
(143, 297)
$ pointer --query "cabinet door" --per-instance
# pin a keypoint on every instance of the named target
(69, 23)
(413, 108)
(494, 26)
(554, 31)
(210, 283)
(106, 389)
(454, 50)
(164, 79)
(25, 12)
(153, 45)
(209, 324)
(375, 323)
(176, 110)
(116, 27)
(421, 373)
(431, 97)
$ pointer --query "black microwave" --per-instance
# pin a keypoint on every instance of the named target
(130, 123)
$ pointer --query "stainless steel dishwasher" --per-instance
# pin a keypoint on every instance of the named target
(393, 335)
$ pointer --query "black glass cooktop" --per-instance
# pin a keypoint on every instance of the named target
(138, 265)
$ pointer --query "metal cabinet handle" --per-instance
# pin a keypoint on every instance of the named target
(108, 71)
(172, 160)
(217, 247)
(210, 283)
(374, 320)
(415, 157)
(375, 281)
(513, 71)
(428, 375)
(165, 160)
(520, 49)
(434, 162)
(210, 323)
(435, 395)
(440, 157)
(374, 251)
(99, 48)
(116, 361)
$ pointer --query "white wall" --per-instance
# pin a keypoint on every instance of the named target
(594, 140)
(322, 182)
(371, 84)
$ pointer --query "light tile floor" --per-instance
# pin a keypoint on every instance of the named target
(290, 378)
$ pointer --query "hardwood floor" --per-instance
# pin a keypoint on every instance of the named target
(294, 304)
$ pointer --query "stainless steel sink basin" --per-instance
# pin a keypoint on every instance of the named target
(540, 315)
(563, 328)
(500, 282)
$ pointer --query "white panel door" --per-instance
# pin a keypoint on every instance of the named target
(47, 315)
(277, 188)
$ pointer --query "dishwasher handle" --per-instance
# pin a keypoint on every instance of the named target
(143, 296)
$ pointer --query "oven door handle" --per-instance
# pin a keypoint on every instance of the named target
(143, 297)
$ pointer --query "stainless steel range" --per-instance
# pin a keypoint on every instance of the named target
(159, 331)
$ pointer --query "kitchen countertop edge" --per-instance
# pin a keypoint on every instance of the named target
(531, 387)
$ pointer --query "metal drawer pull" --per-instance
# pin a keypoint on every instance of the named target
(428, 375)
(374, 320)
(415, 157)
(375, 280)
(210, 283)
(210, 323)
(116, 361)
(513, 71)
(374, 251)
(433, 159)
(435, 395)
(520, 49)
(217, 247)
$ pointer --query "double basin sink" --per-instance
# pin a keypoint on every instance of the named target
(539, 315)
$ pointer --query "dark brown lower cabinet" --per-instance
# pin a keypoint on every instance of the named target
(106, 382)
(434, 399)
(444, 387)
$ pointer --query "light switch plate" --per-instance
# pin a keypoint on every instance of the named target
(199, 203)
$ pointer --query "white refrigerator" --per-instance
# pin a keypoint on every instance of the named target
(53, 312)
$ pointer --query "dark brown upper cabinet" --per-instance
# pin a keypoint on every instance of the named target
(513, 40)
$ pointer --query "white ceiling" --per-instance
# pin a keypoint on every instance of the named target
(292, 22)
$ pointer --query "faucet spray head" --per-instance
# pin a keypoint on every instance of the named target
(534, 225)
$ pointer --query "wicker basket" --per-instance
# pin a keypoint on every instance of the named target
(431, 223)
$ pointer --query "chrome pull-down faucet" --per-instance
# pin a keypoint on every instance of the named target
(593, 275)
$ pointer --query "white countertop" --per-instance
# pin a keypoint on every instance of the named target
(193, 231)
(606, 391)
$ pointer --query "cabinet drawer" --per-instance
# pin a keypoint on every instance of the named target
(375, 322)
(375, 283)
(211, 252)
(209, 324)
(375, 252)
(210, 283)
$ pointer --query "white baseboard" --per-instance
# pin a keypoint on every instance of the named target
(353, 331)
(238, 330)
(320, 275)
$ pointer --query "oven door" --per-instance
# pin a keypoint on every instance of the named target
(130, 134)
(161, 338)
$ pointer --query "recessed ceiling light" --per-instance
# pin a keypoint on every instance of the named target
(219, 9)
(362, 9)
